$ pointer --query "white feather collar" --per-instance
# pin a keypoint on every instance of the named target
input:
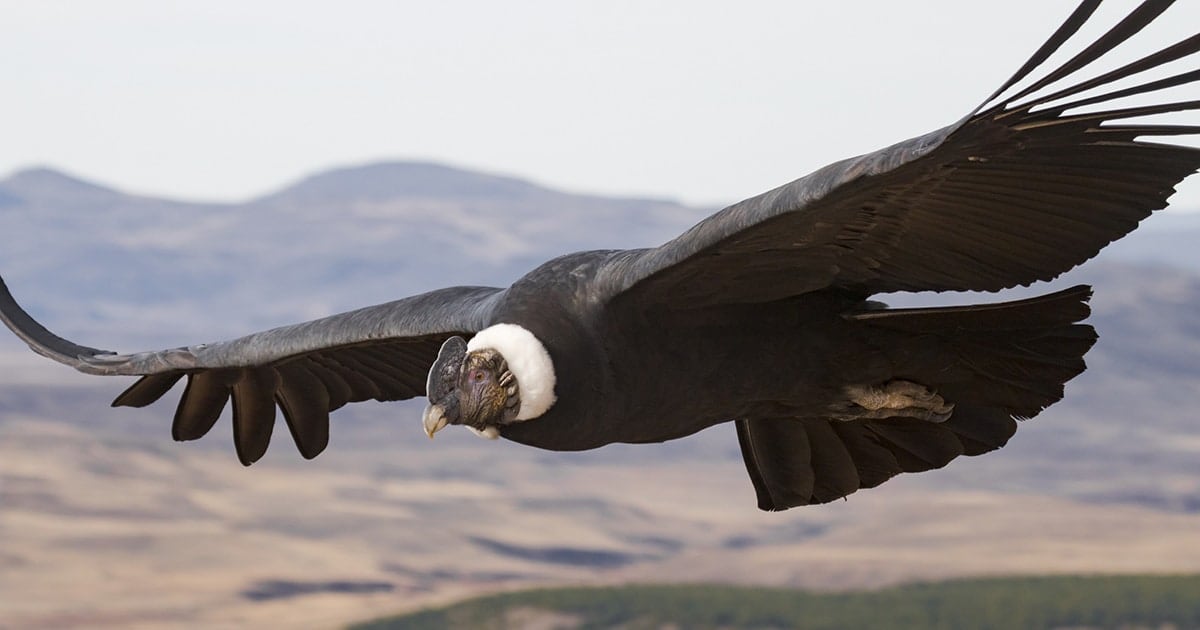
(528, 361)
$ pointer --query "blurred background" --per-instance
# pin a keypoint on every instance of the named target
(187, 172)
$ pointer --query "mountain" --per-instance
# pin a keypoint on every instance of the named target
(53, 188)
(90, 260)
(383, 182)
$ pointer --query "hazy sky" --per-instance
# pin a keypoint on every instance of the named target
(703, 101)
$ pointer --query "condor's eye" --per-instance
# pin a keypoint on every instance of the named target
(478, 376)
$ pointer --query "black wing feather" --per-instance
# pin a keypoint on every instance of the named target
(254, 412)
(147, 390)
(839, 476)
(202, 402)
(306, 402)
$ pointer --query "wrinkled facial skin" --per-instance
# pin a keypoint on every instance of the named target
(474, 389)
(482, 396)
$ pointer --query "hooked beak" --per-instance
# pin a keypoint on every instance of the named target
(433, 419)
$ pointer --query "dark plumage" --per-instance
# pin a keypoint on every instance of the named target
(759, 314)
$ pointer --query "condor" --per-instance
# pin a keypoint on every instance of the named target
(759, 315)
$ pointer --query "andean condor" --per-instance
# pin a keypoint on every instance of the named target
(761, 314)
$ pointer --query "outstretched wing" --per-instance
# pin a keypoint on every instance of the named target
(1022, 190)
(381, 352)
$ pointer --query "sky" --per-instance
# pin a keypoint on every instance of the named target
(707, 102)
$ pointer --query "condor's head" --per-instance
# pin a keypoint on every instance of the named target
(503, 375)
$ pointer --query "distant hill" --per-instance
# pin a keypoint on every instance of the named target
(176, 272)
(388, 181)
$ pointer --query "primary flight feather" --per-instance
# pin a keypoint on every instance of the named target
(760, 314)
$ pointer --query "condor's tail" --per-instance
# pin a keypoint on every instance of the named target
(993, 363)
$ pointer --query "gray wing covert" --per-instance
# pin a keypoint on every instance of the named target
(380, 352)
(1021, 190)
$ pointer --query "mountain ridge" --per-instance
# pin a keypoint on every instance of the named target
(376, 181)
(213, 269)
(364, 180)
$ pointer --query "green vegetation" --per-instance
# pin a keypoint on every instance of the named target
(1035, 602)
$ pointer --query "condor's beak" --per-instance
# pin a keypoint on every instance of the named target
(433, 419)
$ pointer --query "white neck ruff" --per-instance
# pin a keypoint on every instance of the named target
(528, 361)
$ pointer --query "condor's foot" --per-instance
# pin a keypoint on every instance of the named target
(895, 399)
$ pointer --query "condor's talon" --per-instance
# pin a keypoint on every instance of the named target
(897, 398)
